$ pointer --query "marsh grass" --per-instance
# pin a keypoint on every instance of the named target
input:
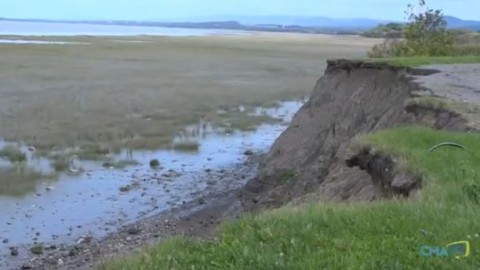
(19, 181)
(141, 95)
(380, 235)
(186, 146)
(120, 164)
(60, 163)
(13, 154)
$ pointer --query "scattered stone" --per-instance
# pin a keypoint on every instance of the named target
(248, 153)
(154, 163)
(201, 201)
(37, 249)
(50, 188)
(5, 241)
(26, 266)
(60, 263)
(134, 230)
(14, 251)
(72, 252)
(208, 170)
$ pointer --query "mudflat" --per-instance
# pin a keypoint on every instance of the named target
(138, 91)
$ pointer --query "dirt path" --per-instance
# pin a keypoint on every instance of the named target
(459, 82)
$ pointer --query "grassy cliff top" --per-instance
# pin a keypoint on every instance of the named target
(381, 235)
(423, 60)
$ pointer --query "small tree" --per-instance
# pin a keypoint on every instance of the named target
(426, 32)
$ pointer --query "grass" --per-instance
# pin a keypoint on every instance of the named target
(120, 164)
(381, 235)
(20, 180)
(60, 163)
(186, 146)
(287, 176)
(140, 95)
(429, 102)
(12, 154)
(420, 61)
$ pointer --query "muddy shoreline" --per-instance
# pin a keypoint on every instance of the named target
(79, 221)
(199, 218)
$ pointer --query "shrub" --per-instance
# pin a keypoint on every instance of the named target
(425, 34)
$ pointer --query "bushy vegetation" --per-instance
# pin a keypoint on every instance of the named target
(425, 34)
(381, 235)
(389, 30)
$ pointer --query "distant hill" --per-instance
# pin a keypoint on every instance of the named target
(326, 22)
(322, 22)
(274, 23)
(454, 22)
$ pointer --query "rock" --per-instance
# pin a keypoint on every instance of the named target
(72, 252)
(5, 241)
(26, 266)
(37, 249)
(14, 251)
(50, 188)
(248, 153)
(134, 231)
(126, 188)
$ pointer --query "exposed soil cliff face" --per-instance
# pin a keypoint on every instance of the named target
(310, 157)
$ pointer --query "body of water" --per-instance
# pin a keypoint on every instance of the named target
(92, 203)
(69, 29)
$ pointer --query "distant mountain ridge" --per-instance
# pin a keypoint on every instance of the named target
(268, 22)
(327, 22)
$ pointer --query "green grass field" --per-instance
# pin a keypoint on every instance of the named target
(380, 235)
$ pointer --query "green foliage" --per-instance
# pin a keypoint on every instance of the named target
(425, 34)
(381, 235)
(389, 30)
(13, 154)
(425, 60)
(287, 176)
(186, 146)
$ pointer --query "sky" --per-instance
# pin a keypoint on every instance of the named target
(191, 9)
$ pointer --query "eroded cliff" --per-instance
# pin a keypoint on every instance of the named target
(313, 158)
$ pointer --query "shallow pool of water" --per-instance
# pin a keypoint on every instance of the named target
(100, 199)
(22, 41)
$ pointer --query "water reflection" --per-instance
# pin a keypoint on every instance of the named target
(93, 202)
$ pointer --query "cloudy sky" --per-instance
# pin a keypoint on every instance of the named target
(180, 9)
